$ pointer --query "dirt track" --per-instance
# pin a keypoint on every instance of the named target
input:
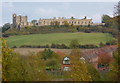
(27, 51)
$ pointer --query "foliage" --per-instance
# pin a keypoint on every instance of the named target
(74, 44)
(72, 17)
(61, 46)
(104, 58)
(101, 44)
(51, 58)
(79, 71)
(66, 23)
(95, 75)
(34, 22)
(22, 68)
(7, 55)
(115, 68)
(47, 53)
(105, 18)
(6, 27)
(53, 63)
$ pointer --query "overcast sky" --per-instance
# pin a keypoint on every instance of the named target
(60, 0)
(36, 10)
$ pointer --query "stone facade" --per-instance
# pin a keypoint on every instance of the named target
(20, 21)
(62, 21)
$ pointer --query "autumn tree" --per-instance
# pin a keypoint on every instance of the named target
(79, 70)
(114, 74)
(22, 68)
(7, 55)
(115, 71)
(95, 75)
(51, 59)
(104, 58)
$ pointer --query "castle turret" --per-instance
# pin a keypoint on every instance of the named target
(14, 20)
(19, 21)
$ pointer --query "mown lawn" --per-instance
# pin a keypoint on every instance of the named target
(59, 38)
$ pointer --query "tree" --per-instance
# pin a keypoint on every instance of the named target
(6, 27)
(53, 63)
(95, 75)
(117, 15)
(72, 18)
(7, 55)
(34, 22)
(56, 23)
(101, 44)
(104, 58)
(105, 18)
(22, 68)
(115, 68)
(114, 74)
(47, 53)
(109, 21)
(79, 70)
(74, 44)
(66, 23)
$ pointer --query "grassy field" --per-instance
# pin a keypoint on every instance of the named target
(59, 38)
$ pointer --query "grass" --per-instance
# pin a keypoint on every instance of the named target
(59, 38)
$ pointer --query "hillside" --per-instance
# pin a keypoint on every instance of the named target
(59, 38)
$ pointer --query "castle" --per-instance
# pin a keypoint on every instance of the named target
(22, 21)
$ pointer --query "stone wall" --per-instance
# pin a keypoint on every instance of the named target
(61, 21)
(19, 21)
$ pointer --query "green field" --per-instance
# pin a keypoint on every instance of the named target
(59, 38)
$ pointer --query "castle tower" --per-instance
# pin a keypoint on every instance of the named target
(14, 20)
(19, 20)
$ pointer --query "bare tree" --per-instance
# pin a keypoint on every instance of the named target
(117, 9)
(117, 14)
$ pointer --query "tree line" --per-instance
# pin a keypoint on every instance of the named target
(63, 46)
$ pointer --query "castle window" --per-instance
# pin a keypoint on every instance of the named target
(81, 22)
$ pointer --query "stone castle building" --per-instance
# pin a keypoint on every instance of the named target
(62, 21)
(22, 21)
